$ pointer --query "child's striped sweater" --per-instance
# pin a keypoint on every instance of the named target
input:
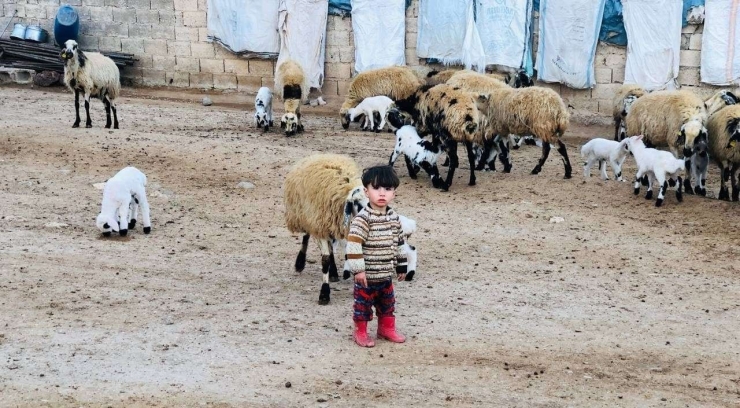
(374, 244)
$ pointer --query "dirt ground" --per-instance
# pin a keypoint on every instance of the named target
(621, 304)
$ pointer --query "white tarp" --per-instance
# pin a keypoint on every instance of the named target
(302, 25)
(569, 31)
(504, 30)
(379, 27)
(447, 32)
(245, 26)
(653, 42)
(720, 52)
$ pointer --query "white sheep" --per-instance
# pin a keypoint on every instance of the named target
(417, 151)
(263, 108)
(381, 104)
(93, 74)
(603, 151)
(657, 165)
(121, 194)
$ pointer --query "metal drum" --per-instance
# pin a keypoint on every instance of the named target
(19, 32)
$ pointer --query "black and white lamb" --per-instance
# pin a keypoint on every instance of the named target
(418, 152)
(263, 108)
(658, 165)
(121, 194)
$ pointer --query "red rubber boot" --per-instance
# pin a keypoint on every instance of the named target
(387, 329)
(361, 337)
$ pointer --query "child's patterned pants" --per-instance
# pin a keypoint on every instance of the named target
(379, 294)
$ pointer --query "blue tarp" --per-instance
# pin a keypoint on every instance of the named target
(344, 7)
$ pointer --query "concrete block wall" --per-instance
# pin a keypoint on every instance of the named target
(169, 37)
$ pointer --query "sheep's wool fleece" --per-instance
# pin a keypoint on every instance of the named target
(302, 25)
(315, 192)
(374, 244)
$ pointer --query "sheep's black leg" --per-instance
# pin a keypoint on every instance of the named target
(77, 109)
(543, 158)
(679, 193)
(433, 173)
(484, 156)
(733, 178)
(617, 122)
(566, 161)
(687, 182)
(115, 115)
(333, 274)
(88, 122)
(504, 156)
(326, 254)
(446, 162)
(412, 168)
(107, 113)
(724, 194)
(471, 160)
(300, 260)
(452, 154)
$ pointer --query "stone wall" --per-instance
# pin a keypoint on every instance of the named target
(169, 39)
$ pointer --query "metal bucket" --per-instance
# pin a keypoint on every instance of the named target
(36, 34)
(19, 32)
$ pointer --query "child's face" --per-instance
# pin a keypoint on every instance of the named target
(380, 197)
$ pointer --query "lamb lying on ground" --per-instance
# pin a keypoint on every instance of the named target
(117, 212)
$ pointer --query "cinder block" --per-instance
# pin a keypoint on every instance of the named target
(144, 61)
(155, 47)
(169, 17)
(163, 63)
(202, 50)
(186, 34)
(163, 5)
(186, 5)
(239, 67)
(151, 77)
(132, 73)
(103, 14)
(343, 88)
(193, 18)
(689, 29)
(186, 64)
(178, 48)
(615, 61)
(618, 75)
(268, 81)
(33, 11)
(98, 28)
(605, 91)
(411, 57)
(88, 43)
(338, 38)
(695, 42)
(177, 79)
(109, 3)
(552, 85)
(250, 84)
(689, 76)
(224, 81)
(347, 54)
(337, 71)
(587, 105)
(143, 31)
(685, 38)
(203, 81)
(139, 4)
(603, 75)
(214, 66)
(690, 58)
(329, 88)
(162, 31)
(110, 44)
(605, 106)
(147, 16)
(223, 53)
(132, 45)
(261, 67)
(411, 38)
(202, 34)
(202, 5)
(124, 15)
(332, 54)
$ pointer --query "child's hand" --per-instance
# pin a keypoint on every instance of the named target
(361, 279)
(401, 277)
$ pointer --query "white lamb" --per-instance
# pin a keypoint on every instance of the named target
(418, 152)
(117, 212)
(263, 108)
(368, 106)
(603, 151)
(657, 165)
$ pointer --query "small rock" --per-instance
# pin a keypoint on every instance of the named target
(321, 400)
(556, 220)
(339, 382)
(99, 186)
(288, 384)
(56, 225)
(246, 185)
(207, 101)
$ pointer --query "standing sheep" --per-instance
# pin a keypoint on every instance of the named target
(322, 193)
(619, 112)
(393, 82)
(93, 74)
(120, 190)
(263, 108)
(724, 149)
(368, 107)
(603, 151)
(656, 165)
(417, 151)
(291, 85)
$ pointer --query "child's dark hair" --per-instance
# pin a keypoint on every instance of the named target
(380, 176)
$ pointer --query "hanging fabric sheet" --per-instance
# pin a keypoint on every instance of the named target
(247, 28)
(720, 46)
(302, 25)
(447, 32)
(344, 7)
(653, 42)
(569, 31)
(379, 27)
(504, 27)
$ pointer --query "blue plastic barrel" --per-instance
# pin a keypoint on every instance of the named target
(66, 25)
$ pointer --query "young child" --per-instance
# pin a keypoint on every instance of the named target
(374, 254)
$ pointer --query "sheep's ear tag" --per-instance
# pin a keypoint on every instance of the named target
(733, 143)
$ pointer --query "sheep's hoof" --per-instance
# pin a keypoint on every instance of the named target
(568, 175)
(88, 125)
(115, 126)
(649, 195)
(644, 180)
(333, 275)
(410, 275)
(735, 194)
(688, 188)
(76, 125)
(679, 196)
(515, 147)
(107, 125)
(270, 123)
(123, 232)
(300, 261)
(471, 182)
(346, 275)
(324, 295)
(132, 224)
(507, 168)
(637, 190)
(672, 182)
(703, 192)
(536, 169)
(107, 234)
(147, 230)
(659, 202)
(267, 128)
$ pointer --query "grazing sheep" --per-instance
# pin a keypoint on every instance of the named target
(452, 116)
(263, 108)
(92, 74)
(657, 165)
(117, 212)
(517, 80)
(380, 104)
(604, 151)
(292, 86)
(700, 166)
(417, 151)
(724, 149)
(393, 82)
(321, 193)
(619, 111)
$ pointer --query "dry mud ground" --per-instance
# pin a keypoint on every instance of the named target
(622, 304)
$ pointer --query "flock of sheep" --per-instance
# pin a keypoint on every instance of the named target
(484, 112)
